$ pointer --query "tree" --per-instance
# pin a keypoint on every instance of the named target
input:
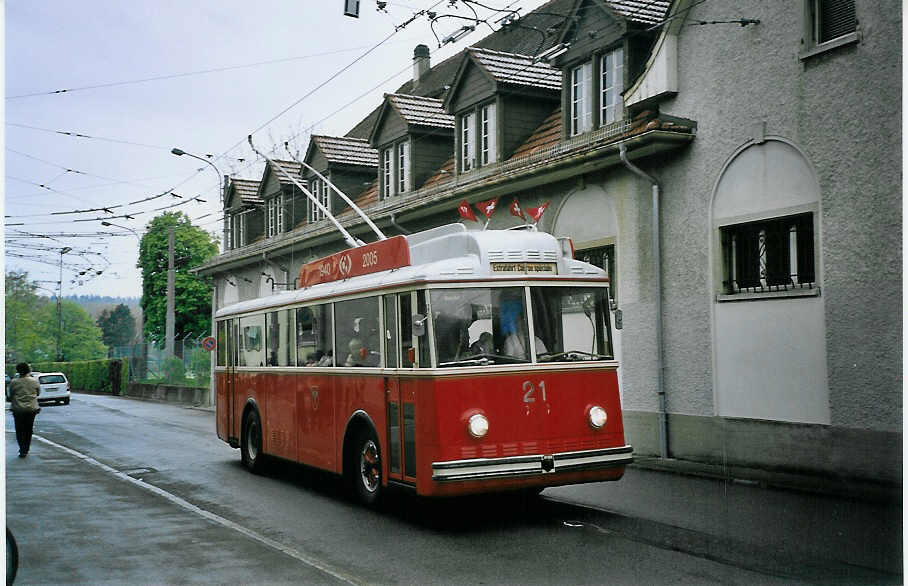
(192, 293)
(117, 326)
(32, 326)
(23, 341)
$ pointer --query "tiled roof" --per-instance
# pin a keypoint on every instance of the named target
(346, 150)
(291, 167)
(419, 111)
(443, 175)
(247, 189)
(548, 134)
(516, 69)
(642, 11)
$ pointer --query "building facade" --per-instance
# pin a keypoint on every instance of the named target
(735, 167)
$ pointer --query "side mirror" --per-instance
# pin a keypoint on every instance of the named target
(419, 325)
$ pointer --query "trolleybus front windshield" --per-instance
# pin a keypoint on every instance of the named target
(478, 326)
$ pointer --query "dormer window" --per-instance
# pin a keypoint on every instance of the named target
(395, 169)
(611, 67)
(322, 193)
(596, 86)
(403, 167)
(478, 137)
(275, 219)
(487, 133)
(582, 98)
(387, 187)
(467, 141)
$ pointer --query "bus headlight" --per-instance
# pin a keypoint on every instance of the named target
(478, 425)
(598, 417)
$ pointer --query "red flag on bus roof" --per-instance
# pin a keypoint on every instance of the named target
(466, 212)
(516, 209)
(536, 213)
(487, 207)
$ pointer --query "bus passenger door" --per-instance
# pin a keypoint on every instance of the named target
(233, 431)
(399, 390)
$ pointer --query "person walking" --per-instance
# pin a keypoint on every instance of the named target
(23, 396)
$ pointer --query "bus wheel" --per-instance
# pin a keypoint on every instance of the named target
(366, 476)
(251, 447)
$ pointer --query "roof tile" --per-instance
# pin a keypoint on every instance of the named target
(346, 150)
(514, 69)
(420, 111)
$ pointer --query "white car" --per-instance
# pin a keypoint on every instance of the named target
(54, 387)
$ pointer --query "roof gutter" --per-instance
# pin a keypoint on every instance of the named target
(657, 284)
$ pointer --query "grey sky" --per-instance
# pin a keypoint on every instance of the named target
(55, 45)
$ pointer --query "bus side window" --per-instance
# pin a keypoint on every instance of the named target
(233, 342)
(357, 332)
(279, 326)
(222, 343)
(424, 342)
(407, 360)
(252, 340)
(392, 331)
(313, 336)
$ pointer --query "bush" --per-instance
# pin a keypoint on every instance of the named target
(173, 371)
(107, 376)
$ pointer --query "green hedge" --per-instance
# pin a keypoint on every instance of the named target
(106, 376)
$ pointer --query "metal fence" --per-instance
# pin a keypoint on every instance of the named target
(190, 365)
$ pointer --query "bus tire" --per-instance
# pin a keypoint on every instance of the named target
(365, 467)
(251, 443)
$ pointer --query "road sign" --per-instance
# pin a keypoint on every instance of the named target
(209, 343)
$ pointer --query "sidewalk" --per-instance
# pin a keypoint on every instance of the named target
(842, 531)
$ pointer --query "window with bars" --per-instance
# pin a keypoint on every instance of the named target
(467, 141)
(831, 19)
(769, 255)
(611, 67)
(581, 98)
(604, 258)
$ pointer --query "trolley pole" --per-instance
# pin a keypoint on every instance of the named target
(169, 324)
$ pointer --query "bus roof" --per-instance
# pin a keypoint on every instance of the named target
(445, 253)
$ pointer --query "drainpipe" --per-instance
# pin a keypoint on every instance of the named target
(400, 228)
(657, 278)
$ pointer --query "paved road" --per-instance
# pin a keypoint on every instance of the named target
(118, 491)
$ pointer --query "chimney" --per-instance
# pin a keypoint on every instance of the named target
(420, 63)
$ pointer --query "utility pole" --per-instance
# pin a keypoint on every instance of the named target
(169, 327)
(63, 251)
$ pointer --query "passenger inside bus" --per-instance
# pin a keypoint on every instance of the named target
(517, 342)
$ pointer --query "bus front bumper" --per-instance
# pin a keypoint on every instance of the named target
(531, 465)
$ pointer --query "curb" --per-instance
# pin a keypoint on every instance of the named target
(833, 486)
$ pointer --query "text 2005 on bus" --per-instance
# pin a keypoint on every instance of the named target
(449, 361)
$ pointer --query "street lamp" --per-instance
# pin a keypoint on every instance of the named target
(181, 152)
(134, 233)
(63, 251)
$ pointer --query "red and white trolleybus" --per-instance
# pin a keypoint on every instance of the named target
(450, 361)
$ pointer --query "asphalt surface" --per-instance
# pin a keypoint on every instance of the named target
(117, 502)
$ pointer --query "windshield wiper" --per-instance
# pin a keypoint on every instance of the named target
(483, 359)
(570, 356)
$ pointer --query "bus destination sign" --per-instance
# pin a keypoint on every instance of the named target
(383, 255)
(524, 268)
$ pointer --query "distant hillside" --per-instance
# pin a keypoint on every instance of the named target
(95, 304)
